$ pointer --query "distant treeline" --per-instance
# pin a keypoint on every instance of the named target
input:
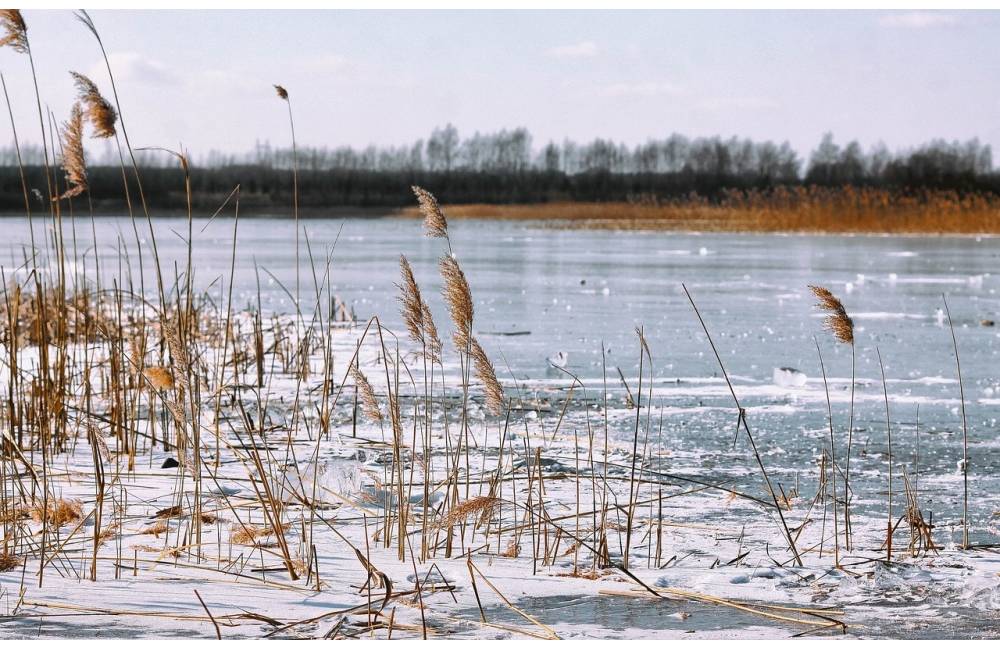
(503, 167)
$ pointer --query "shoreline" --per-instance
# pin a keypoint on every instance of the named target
(909, 221)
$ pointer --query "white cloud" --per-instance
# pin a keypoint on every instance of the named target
(581, 50)
(918, 20)
(136, 68)
(642, 89)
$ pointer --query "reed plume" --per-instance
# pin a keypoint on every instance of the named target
(434, 346)
(282, 93)
(434, 222)
(479, 507)
(101, 114)
(412, 302)
(159, 377)
(416, 313)
(459, 299)
(369, 402)
(74, 163)
(15, 30)
(837, 320)
(487, 374)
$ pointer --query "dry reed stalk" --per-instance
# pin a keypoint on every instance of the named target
(965, 430)
(103, 118)
(746, 427)
(888, 432)
(840, 324)
(833, 461)
(283, 95)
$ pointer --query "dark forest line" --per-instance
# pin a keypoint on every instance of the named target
(502, 168)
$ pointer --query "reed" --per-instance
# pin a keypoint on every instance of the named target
(190, 433)
(965, 429)
(807, 209)
(840, 324)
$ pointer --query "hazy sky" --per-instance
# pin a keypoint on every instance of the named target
(203, 79)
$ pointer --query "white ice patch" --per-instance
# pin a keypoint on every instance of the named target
(788, 378)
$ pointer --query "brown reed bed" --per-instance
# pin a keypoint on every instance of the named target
(846, 210)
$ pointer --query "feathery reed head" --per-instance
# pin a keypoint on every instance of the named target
(409, 296)
(74, 163)
(487, 374)
(369, 402)
(459, 298)
(434, 346)
(837, 320)
(434, 221)
(416, 313)
(99, 111)
(282, 93)
(15, 30)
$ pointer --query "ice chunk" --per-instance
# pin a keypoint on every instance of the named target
(788, 378)
(559, 359)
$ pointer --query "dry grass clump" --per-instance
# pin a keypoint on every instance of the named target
(107, 534)
(783, 209)
(481, 508)
(15, 513)
(167, 513)
(247, 535)
(159, 377)
(156, 529)
(9, 562)
(59, 512)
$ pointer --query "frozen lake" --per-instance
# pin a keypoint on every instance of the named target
(541, 291)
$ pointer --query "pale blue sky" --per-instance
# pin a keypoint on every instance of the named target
(204, 78)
